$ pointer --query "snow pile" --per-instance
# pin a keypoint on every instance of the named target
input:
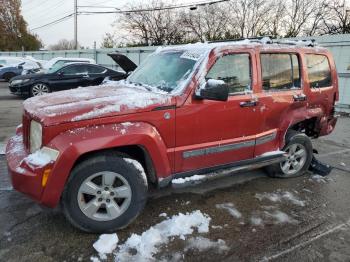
(2, 148)
(188, 179)
(230, 208)
(280, 196)
(146, 245)
(203, 244)
(37, 159)
(106, 244)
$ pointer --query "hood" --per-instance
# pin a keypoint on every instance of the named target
(94, 102)
(38, 75)
(123, 61)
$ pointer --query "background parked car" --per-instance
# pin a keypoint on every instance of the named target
(69, 76)
(58, 62)
(13, 66)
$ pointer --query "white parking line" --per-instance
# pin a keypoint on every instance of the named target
(284, 252)
(335, 152)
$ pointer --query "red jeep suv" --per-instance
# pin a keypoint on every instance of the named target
(185, 110)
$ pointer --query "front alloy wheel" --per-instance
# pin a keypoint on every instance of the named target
(104, 196)
(39, 89)
(105, 192)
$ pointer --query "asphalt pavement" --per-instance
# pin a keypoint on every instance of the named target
(301, 219)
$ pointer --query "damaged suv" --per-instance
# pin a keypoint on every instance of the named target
(185, 110)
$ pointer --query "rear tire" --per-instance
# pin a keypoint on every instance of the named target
(299, 149)
(117, 193)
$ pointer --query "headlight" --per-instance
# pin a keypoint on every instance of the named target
(35, 136)
(20, 81)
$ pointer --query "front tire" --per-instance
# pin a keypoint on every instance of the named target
(299, 150)
(105, 193)
(39, 89)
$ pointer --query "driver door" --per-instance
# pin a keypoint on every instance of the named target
(71, 76)
(211, 133)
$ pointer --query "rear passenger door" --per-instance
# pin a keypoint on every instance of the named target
(281, 95)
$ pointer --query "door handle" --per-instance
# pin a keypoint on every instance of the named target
(299, 98)
(249, 103)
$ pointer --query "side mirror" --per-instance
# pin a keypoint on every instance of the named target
(20, 67)
(1, 65)
(60, 73)
(214, 90)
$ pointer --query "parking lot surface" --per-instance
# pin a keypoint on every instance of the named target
(258, 218)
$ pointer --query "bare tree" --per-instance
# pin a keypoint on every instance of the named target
(63, 44)
(206, 23)
(298, 12)
(338, 21)
(250, 17)
(153, 27)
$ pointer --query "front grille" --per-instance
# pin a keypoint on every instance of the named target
(26, 131)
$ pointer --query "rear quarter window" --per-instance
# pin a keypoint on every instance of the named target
(318, 71)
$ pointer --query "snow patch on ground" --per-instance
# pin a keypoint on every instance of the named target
(203, 244)
(280, 196)
(188, 179)
(229, 207)
(146, 245)
(37, 159)
(106, 244)
(318, 179)
(281, 217)
(256, 221)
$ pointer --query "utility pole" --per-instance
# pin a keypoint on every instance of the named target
(76, 24)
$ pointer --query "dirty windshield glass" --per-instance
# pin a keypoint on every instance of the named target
(164, 70)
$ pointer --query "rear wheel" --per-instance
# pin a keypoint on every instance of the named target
(8, 76)
(39, 89)
(299, 155)
(105, 193)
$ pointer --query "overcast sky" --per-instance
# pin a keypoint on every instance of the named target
(90, 28)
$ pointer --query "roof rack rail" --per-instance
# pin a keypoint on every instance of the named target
(271, 40)
(253, 39)
(302, 42)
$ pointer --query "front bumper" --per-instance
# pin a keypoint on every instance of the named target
(25, 178)
(20, 89)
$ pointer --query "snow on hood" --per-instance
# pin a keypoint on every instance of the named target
(94, 102)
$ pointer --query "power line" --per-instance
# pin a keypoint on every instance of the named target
(119, 11)
(54, 22)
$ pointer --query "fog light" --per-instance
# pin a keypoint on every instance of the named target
(45, 177)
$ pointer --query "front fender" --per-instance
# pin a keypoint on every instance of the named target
(74, 143)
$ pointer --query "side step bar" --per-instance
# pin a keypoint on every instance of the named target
(232, 168)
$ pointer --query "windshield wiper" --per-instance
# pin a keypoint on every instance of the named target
(141, 85)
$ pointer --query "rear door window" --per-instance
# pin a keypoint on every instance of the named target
(318, 70)
(280, 71)
(234, 70)
(96, 69)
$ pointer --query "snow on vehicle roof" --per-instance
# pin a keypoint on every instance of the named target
(265, 42)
